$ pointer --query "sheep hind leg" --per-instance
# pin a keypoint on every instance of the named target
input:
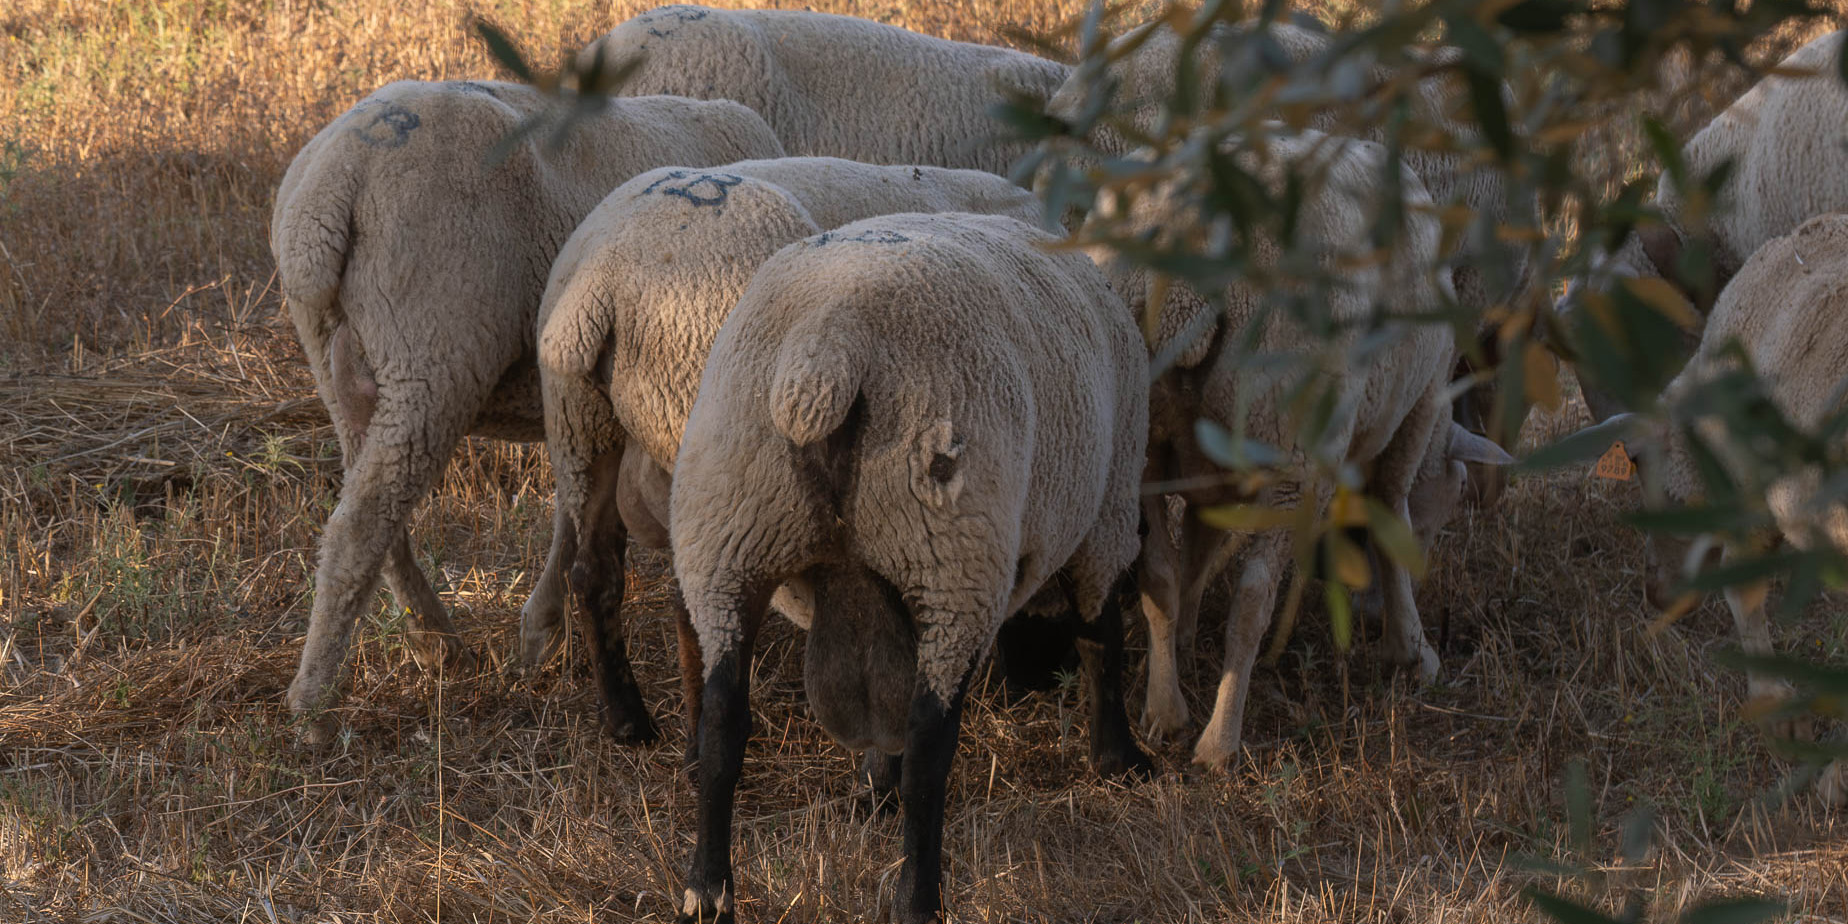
(1164, 710)
(930, 749)
(1114, 754)
(1403, 641)
(434, 642)
(599, 580)
(883, 773)
(393, 463)
(1747, 603)
(692, 682)
(1252, 603)
(542, 617)
(724, 730)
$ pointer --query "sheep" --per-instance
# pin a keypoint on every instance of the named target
(1786, 308)
(628, 316)
(955, 416)
(1389, 412)
(412, 271)
(839, 86)
(1144, 76)
(1789, 152)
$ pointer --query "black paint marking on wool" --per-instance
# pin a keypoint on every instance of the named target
(474, 87)
(864, 237)
(718, 186)
(390, 126)
(680, 14)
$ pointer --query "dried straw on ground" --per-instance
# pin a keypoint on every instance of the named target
(164, 466)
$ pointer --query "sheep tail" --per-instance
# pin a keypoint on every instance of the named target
(311, 234)
(819, 372)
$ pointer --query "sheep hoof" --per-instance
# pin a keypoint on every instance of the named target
(699, 908)
(1164, 714)
(631, 730)
(1832, 785)
(540, 645)
(1128, 765)
(319, 733)
(1421, 657)
(1215, 748)
(444, 653)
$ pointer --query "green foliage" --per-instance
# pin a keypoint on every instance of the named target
(1519, 86)
(1636, 838)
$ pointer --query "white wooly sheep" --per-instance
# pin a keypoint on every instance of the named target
(839, 86)
(1788, 140)
(635, 298)
(1144, 79)
(947, 410)
(412, 271)
(1786, 307)
(1389, 412)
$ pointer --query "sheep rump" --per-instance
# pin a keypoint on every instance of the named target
(412, 272)
(939, 401)
(839, 86)
(629, 315)
(1787, 138)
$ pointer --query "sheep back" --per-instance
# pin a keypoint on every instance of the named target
(640, 289)
(838, 85)
(447, 249)
(1788, 139)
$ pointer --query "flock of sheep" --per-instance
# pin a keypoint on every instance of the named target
(788, 319)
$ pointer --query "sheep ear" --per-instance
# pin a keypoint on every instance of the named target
(1470, 447)
(1630, 427)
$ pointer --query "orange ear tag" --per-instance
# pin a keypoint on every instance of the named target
(1615, 464)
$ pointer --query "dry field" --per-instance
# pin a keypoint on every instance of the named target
(164, 469)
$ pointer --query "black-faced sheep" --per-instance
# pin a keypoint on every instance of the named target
(1787, 307)
(1788, 141)
(839, 86)
(1389, 410)
(634, 300)
(412, 271)
(932, 411)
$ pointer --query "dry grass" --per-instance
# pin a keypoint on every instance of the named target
(164, 469)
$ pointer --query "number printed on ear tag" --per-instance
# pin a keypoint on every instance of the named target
(1615, 464)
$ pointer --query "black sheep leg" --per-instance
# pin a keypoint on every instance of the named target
(725, 726)
(884, 772)
(930, 749)
(598, 580)
(1100, 644)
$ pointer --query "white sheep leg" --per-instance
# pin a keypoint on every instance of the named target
(1403, 640)
(542, 618)
(1252, 602)
(1164, 711)
(1832, 785)
(1747, 603)
(398, 461)
(433, 638)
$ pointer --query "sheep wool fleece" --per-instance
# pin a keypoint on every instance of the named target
(954, 415)
(413, 271)
(991, 415)
(839, 86)
(1385, 412)
(629, 316)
